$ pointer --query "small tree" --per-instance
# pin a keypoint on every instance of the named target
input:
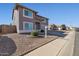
(54, 27)
(63, 27)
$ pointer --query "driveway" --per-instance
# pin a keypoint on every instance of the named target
(56, 33)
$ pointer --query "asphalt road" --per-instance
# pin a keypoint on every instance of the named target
(76, 44)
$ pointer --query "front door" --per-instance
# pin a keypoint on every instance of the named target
(37, 25)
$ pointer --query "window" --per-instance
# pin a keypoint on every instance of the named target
(27, 13)
(44, 20)
(28, 26)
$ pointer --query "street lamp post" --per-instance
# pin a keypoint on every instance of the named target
(45, 31)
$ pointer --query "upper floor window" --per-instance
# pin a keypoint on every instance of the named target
(44, 21)
(28, 13)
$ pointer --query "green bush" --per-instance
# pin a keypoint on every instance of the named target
(63, 27)
(34, 33)
(54, 27)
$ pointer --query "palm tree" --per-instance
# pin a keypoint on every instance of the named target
(54, 27)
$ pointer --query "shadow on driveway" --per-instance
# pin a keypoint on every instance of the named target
(7, 46)
(55, 33)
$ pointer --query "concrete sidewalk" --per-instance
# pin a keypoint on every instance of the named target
(50, 49)
(57, 47)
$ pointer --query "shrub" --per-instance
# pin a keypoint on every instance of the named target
(54, 27)
(34, 33)
(63, 27)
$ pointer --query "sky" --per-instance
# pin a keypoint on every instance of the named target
(58, 13)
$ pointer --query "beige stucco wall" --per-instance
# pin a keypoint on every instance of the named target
(16, 19)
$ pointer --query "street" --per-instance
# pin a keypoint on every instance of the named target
(76, 44)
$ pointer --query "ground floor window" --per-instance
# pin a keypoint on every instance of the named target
(28, 26)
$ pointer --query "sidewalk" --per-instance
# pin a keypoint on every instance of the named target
(57, 47)
(50, 49)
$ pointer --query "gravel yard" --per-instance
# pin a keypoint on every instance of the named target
(20, 44)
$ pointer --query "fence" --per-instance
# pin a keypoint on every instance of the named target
(8, 29)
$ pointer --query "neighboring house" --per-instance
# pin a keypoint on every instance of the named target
(52, 27)
(27, 20)
(49, 27)
(59, 27)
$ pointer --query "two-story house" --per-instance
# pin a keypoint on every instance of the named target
(27, 20)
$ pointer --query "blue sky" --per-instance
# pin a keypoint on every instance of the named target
(57, 13)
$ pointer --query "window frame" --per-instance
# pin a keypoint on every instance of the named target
(44, 21)
(25, 15)
(27, 23)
